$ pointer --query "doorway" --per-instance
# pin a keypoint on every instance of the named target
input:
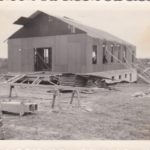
(43, 59)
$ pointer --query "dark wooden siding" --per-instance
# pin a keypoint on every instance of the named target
(44, 25)
(20, 56)
(68, 53)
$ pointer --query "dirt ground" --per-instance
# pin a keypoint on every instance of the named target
(111, 115)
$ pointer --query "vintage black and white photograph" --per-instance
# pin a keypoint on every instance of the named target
(74, 70)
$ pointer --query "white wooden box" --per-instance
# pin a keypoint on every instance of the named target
(18, 107)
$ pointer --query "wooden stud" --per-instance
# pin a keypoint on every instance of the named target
(53, 101)
(22, 109)
(10, 91)
(56, 93)
(73, 93)
(78, 97)
(76, 91)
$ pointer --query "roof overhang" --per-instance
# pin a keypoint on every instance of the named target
(25, 20)
(22, 21)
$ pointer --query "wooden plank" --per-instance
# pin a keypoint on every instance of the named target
(144, 78)
(35, 81)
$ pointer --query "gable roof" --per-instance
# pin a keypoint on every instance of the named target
(93, 32)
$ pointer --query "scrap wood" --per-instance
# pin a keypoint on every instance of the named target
(87, 109)
(146, 69)
(13, 79)
(89, 91)
(138, 94)
(142, 93)
(144, 78)
(113, 88)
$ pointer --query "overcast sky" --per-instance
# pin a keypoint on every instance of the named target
(127, 20)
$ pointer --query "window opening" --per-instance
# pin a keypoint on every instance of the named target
(112, 53)
(113, 78)
(119, 52)
(94, 55)
(120, 77)
(104, 54)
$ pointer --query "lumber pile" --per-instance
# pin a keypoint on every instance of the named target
(68, 79)
(82, 80)
(96, 81)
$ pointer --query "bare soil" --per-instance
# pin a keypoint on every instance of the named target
(105, 114)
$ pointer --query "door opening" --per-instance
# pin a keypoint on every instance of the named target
(43, 59)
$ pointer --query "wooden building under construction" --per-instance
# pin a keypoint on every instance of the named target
(60, 44)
